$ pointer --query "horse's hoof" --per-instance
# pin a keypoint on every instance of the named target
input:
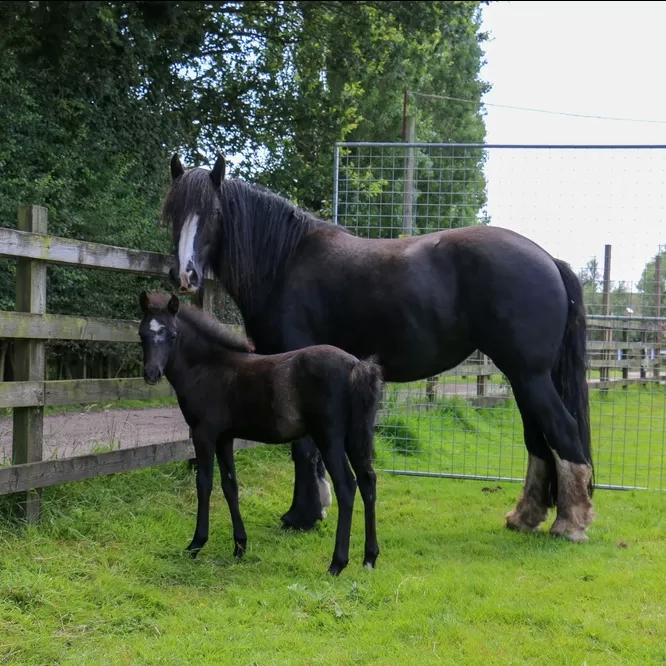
(336, 568)
(368, 564)
(192, 552)
(515, 523)
(292, 521)
(239, 551)
(562, 530)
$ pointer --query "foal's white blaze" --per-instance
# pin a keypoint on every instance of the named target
(155, 326)
(186, 248)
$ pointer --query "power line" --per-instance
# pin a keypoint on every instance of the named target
(522, 108)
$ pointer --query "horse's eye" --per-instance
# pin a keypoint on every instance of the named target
(172, 335)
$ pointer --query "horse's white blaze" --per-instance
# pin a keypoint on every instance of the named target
(155, 326)
(186, 248)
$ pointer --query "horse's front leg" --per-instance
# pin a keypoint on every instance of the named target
(309, 486)
(225, 460)
(205, 455)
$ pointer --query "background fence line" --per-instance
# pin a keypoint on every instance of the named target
(464, 423)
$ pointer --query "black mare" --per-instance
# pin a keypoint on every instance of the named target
(226, 392)
(421, 305)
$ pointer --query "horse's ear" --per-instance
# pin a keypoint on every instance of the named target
(176, 167)
(143, 301)
(217, 174)
(173, 304)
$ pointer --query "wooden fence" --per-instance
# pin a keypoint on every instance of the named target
(30, 326)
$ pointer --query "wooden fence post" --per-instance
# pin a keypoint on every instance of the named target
(29, 360)
(607, 335)
(482, 379)
(410, 168)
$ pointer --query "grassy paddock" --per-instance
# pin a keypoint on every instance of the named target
(103, 579)
(628, 436)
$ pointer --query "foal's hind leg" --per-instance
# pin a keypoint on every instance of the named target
(574, 507)
(367, 486)
(225, 461)
(534, 501)
(344, 485)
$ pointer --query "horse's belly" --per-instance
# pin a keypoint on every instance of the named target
(419, 361)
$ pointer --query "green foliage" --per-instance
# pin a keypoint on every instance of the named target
(95, 96)
(396, 433)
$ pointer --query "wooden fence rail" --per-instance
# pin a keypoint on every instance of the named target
(31, 326)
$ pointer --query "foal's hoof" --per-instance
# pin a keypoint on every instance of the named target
(370, 560)
(193, 552)
(239, 551)
(336, 568)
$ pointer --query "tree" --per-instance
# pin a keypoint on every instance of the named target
(95, 96)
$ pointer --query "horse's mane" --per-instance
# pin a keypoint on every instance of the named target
(204, 324)
(253, 238)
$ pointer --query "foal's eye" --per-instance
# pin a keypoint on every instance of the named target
(172, 335)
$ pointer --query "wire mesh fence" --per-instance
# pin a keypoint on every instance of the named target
(599, 208)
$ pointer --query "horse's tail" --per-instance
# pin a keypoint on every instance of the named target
(366, 391)
(569, 372)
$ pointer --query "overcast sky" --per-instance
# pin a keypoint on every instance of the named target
(588, 58)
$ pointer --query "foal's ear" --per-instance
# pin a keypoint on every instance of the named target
(143, 301)
(173, 304)
(176, 167)
(220, 166)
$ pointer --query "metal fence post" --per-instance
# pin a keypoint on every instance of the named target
(29, 361)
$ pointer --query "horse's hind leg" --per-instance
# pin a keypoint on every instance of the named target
(225, 461)
(535, 498)
(574, 507)
(310, 487)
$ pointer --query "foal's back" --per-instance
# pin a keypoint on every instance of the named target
(281, 397)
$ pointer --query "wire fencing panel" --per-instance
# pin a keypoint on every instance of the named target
(600, 208)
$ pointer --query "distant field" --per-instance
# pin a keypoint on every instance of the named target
(454, 437)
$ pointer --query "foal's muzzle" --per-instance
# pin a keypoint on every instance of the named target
(152, 375)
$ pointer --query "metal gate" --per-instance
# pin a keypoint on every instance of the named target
(606, 201)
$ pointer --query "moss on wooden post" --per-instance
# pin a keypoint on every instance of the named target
(29, 360)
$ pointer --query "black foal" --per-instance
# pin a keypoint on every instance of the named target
(226, 392)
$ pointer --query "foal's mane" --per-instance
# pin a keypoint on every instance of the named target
(202, 323)
(253, 236)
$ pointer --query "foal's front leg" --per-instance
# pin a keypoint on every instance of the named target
(205, 458)
(225, 460)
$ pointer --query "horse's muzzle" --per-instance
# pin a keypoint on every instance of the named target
(189, 280)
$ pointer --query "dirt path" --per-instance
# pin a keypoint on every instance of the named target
(77, 433)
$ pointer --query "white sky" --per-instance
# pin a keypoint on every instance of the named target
(591, 58)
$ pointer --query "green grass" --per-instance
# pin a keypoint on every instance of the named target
(628, 437)
(103, 579)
